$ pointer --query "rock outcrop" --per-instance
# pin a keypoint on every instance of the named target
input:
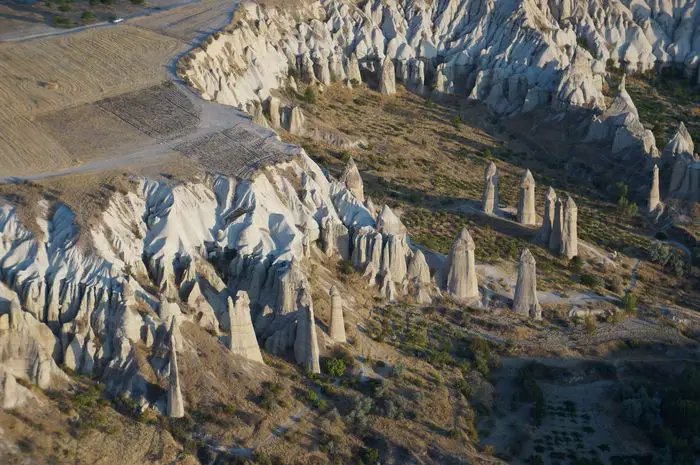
(294, 121)
(555, 238)
(489, 202)
(526, 203)
(387, 77)
(460, 270)
(336, 327)
(242, 341)
(550, 205)
(353, 181)
(175, 403)
(563, 239)
(621, 127)
(305, 344)
(569, 232)
(525, 301)
(419, 278)
(654, 196)
(685, 166)
(388, 288)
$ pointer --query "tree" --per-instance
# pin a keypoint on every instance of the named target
(335, 367)
(629, 302)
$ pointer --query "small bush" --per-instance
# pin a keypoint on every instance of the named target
(87, 15)
(335, 367)
(590, 324)
(309, 95)
(345, 267)
(629, 302)
(576, 264)
(591, 280)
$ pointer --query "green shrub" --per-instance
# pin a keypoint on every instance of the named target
(309, 95)
(335, 367)
(629, 302)
(87, 15)
(591, 280)
(370, 456)
(576, 263)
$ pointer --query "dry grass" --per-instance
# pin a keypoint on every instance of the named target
(41, 76)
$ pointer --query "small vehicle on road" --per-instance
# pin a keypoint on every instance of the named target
(117, 20)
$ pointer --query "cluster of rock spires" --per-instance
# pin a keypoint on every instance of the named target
(204, 243)
(271, 114)
(559, 229)
(513, 56)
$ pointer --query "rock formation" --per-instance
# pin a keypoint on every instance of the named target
(460, 270)
(555, 238)
(273, 112)
(353, 181)
(259, 116)
(395, 246)
(489, 201)
(525, 301)
(569, 232)
(242, 341)
(419, 277)
(295, 121)
(620, 126)
(685, 166)
(305, 344)
(353, 69)
(337, 323)
(388, 288)
(526, 202)
(176, 405)
(654, 197)
(550, 204)
(387, 78)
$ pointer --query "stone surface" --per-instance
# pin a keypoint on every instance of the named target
(569, 234)
(388, 288)
(336, 327)
(259, 116)
(685, 166)
(555, 238)
(526, 202)
(387, 78)
(489, 202)
(353, 181)
(296, 122)
(525, 301)
(550, 203)
(242, 341)
(306, 344)
(460, 271)
(273, 112)
(175, 403)
(654, 196)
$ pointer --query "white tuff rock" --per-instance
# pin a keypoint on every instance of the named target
(460, 270)
(353, 181)
(387, 78)
(569, 234)
(654, 197)
(545, 230)
(175, 403)
(525, 301)
(489, 202)
(305, 344)
(242, 340)
(337, 322)
(526, 203)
